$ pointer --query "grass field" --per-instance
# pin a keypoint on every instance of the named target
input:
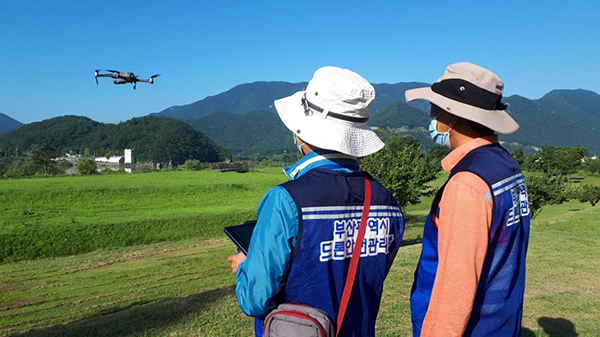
(183, 287)
(71, 215)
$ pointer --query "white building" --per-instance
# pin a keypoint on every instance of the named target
(128, 156)
(111, 160)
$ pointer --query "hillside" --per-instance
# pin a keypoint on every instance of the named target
(561, 117)
(564, 118)
(253, 132)
(238, 100)
(260, 96)
(263, 132)
(398, 115)
(8, 124)
(401, 119)
(156, 139)
(579, 101)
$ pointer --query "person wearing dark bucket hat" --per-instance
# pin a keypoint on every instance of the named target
(470, 278)
(302, 248)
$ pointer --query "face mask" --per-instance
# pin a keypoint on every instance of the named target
(440, 138)
(299, 146)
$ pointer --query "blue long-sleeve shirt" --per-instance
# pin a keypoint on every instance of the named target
(259, 277)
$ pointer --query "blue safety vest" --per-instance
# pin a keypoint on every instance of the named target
(329, 209)
(498, 306)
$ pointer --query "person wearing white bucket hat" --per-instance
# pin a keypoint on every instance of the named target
(307, 228)
(332, 112)
(471, 275)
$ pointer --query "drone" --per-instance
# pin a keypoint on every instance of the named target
(123, 77)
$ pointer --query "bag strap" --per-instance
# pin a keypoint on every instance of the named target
(355, 254)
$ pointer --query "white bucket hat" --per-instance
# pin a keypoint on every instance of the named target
(332, 112)
(471, 92)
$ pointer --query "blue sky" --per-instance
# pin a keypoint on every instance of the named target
(49, 49)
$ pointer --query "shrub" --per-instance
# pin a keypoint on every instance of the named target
(87, 166)
(592, 165)
(107, 170)
(544, 190)
(589, 193)
(192, 165)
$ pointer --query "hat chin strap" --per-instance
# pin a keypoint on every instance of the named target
(300, 146)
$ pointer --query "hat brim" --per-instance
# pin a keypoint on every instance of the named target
(327, 133)
(497, 120)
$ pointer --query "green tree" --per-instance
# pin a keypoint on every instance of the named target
(438, 152)
(519, 156)
(19, 169)
(589, 193)
(41, 158)
(592, 165)
(87, 166)
(544, 190)
(192, 165)
(556, 160)
(403, 169)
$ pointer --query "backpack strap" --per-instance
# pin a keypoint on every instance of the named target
(355, 254)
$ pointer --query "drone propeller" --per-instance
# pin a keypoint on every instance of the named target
(113, 71)
(153, 77)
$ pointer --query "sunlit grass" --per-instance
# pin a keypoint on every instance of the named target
(183, 286)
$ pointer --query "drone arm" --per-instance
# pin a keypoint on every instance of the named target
(107, 75)
(143, 80)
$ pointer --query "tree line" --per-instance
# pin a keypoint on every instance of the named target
(402, 166)
(165, 141)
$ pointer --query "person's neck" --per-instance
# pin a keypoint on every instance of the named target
(457, 139)
(307, 148)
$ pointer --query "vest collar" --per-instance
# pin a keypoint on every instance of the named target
(320, 158)
(460, 152)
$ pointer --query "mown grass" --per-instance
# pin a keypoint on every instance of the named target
(71, 215)
(185, 288)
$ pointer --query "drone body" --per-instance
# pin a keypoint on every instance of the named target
(124, 77)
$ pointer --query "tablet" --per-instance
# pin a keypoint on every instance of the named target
(241, 234)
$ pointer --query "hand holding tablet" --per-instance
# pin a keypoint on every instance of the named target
(240, 235)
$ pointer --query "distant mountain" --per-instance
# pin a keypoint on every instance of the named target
(8, 124)
(402, 119)
(400, 115)
(263, 132)
(238, 100)
(390, 93)
(562, 117)
(156, 139)
(576, 101)
(253, 132)
(260, 96)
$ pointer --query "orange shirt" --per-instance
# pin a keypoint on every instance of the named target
(463, 224)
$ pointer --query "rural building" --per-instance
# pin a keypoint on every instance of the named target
(128, 156)
(112, 160)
